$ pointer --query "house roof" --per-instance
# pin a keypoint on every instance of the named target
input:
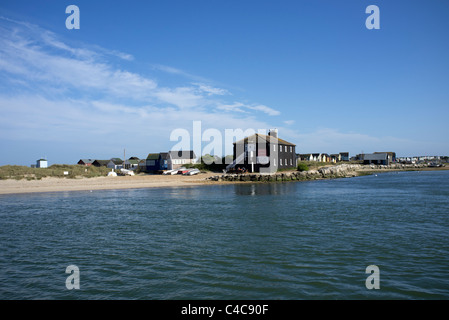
(182, 154)
(86, 160)
(264, 138)
(132, 161)
(117, 160)
(101, 162)
(153, 156)
(376, 156)
(387, 152)
(165, 155)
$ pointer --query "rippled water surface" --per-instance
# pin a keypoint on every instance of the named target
(294, 240)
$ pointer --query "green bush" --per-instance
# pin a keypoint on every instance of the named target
(302, 167)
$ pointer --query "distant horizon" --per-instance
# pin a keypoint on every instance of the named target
(132, 74)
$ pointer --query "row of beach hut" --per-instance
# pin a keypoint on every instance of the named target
(154, 162)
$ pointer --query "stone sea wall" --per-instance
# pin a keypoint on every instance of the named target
(337, 171)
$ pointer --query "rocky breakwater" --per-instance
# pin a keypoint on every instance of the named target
(395, 166)
(338, 171)
(331, 172)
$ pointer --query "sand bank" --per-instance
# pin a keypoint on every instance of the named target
(11, 186)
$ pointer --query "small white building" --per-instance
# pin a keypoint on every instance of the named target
(42, 163)
(132, 163)
(180, 158)
(115, 163)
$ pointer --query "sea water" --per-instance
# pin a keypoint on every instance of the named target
(290, 240)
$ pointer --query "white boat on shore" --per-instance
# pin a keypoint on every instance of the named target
(435, 165)
(182, 170)
(127, 172)
(192, 172)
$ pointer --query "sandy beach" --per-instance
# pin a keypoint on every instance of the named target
(11, 186)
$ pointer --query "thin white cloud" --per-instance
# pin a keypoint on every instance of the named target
(179, 72)
(211, 90)
(265, 109)
(201, 83)
(50, 39)
(182, 97)
(245, 108)
(29, 60)
(235, 107)
(121, 55)
(45, 37)
(169, 69)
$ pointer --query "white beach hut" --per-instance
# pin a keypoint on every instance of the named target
(42, 163)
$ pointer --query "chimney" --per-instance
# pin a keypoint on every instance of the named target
(273, 133)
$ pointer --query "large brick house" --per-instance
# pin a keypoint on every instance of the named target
(263, 153)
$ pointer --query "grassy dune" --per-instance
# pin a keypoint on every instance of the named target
(56, 170)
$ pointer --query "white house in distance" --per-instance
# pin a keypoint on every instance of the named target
(115, 163)
(42, 163)
(179, 158)
(132, 163)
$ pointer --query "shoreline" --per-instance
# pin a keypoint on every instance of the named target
(51, 184)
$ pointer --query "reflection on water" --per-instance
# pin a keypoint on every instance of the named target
(254, 189)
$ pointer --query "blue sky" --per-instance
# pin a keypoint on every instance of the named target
(137, 70)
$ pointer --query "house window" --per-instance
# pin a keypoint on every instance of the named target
(291, 149)
(280, 162)
(286, 162)
(274, 162)
(285, 148)
(291, 162)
